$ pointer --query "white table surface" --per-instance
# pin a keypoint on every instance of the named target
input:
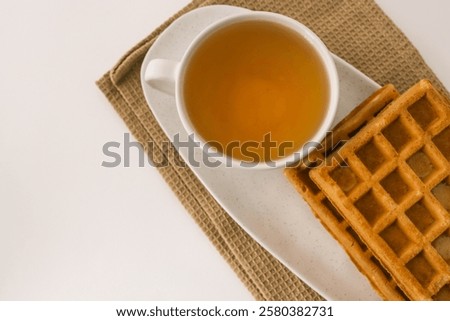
(71, 229)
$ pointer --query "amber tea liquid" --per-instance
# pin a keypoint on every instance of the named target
(253, 78)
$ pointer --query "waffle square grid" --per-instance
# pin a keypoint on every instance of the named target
(324, 210)
(392, 185)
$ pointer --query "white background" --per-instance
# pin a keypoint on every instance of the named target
(71, 229)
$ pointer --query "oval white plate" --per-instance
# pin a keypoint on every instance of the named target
(262, 201)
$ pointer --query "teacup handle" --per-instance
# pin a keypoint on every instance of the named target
(161, 74)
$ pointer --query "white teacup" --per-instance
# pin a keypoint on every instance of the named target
(169, 76)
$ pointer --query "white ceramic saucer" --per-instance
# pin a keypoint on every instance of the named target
(262, 201)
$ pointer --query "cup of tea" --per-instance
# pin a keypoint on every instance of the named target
(259, 88)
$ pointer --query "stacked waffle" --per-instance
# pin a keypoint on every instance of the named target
(380, 184)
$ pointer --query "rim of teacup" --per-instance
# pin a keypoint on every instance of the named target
(319, 47)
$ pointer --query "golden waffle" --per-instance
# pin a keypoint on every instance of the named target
(325, 211)
(392, 185)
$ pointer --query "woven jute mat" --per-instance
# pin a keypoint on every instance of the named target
(357, 31)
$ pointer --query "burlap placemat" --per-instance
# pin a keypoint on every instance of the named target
(358, 31)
